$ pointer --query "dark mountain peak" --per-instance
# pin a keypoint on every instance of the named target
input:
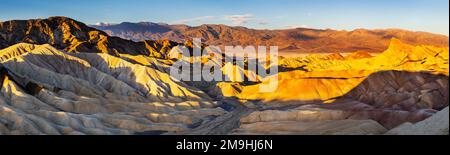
(137, 27)
(58, 31)
(72, 36)
(54, 22)
(61, 18)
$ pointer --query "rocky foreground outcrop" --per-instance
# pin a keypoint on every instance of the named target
(435, 125)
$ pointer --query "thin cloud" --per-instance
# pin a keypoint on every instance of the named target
(239, 19)
(296, 26)
(263, 23)
(104, 24)
(194, 20)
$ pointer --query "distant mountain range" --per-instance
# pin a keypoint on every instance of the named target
(295, 40)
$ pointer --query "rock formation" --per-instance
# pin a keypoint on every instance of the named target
(73, 36)
(435, 125)
(408, 86)
(60, 76)
(47, 91)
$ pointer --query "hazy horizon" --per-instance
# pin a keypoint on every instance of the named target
(414, 15)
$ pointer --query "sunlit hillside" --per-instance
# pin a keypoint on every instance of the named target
(60, 76)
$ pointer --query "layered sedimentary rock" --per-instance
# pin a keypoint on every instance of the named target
(322, 78)
(74, 79)
(73, 36)
(333, 127)
(408, 86)
(435, 125)
(46, 91)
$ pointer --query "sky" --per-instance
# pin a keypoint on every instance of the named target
(417, 15)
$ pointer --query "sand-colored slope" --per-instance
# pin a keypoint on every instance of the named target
(46, 91)
(323, 79)
(399, 56)
(342, 96)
